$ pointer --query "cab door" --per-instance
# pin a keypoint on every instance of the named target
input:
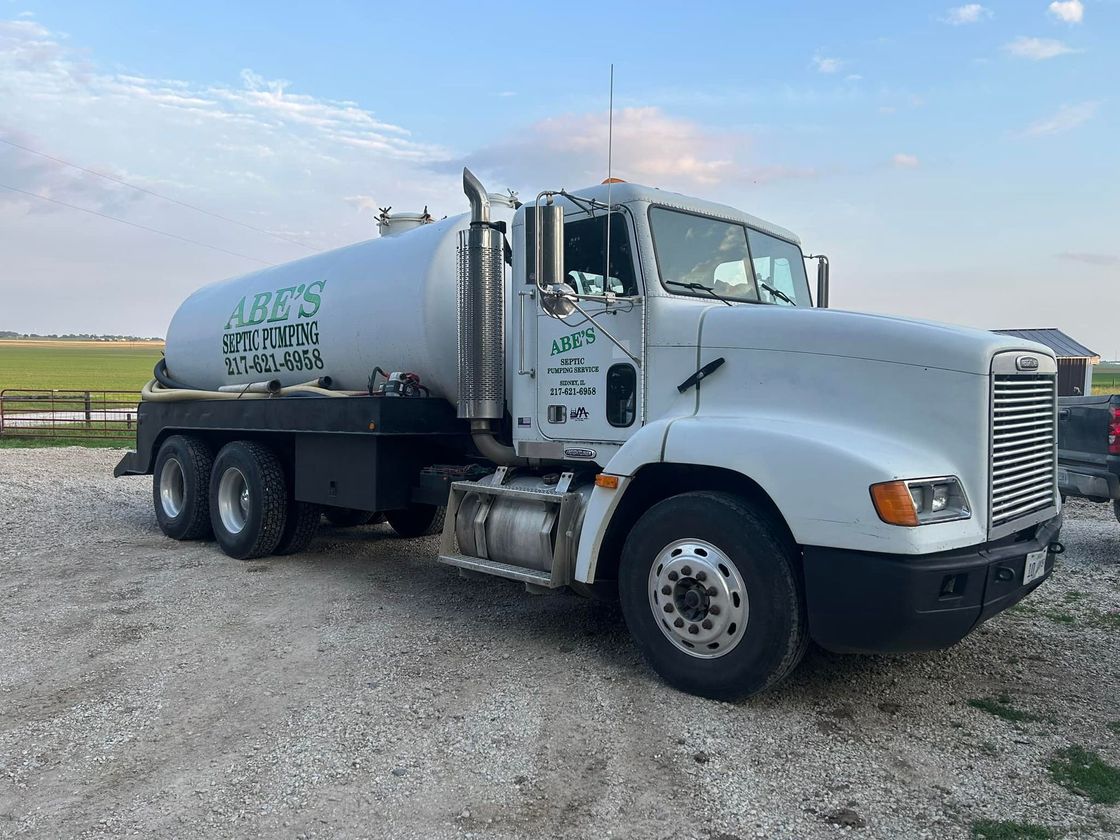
(588, 388)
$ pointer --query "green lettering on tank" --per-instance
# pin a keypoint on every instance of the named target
(259, 310)
(277, 306)
(280, 306)
(237, 319)
(311, 299)
(578, 339)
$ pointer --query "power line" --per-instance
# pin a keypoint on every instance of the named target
(159, 195)
(134, 224)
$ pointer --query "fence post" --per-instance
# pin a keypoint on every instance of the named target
(88, 414)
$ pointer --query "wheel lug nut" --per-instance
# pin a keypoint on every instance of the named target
(714, 609)
(673, 576)
(668, 608)
(706, 624)
(666, 590)
(701, 575)
(686, 570)
(711, 592)
(693, 629)
(679, 622)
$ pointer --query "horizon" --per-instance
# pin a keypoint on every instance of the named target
(954, 161)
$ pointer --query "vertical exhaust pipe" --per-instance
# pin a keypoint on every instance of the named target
(481, 324)
(481, 311)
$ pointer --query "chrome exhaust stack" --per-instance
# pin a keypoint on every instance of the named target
(481, 325)
(481, 312)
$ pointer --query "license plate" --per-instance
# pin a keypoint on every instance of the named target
(1035, 566)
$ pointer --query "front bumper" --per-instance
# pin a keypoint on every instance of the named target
(865, 602)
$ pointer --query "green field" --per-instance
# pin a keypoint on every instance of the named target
(77, 365)
(1106, 379)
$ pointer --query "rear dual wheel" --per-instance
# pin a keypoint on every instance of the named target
(180, 487)
(248, 499)
(242, 497)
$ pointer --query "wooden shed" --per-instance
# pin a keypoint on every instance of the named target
(1075, 360)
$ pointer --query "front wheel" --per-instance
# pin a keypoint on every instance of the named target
(709, 590)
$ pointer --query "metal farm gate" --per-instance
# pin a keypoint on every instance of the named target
(78, 416)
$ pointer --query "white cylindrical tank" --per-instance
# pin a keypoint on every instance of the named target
(388, 302)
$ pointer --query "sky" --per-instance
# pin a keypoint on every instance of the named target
(956, 162)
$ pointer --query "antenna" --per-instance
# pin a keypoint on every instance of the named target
(610, 182)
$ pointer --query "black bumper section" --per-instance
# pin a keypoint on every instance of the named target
(863, 602)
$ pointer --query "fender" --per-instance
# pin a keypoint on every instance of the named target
(817, 473)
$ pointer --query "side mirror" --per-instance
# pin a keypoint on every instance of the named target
(548, 235)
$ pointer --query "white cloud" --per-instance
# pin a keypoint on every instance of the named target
(827, 65)
(1070, 11)
(650, 146)
(1037, 49)
(853, 77)
(1066, 118)
(902, 160)
(257, 150)
(968, 13)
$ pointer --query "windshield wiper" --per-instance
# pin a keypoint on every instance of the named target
(778, 293)
(698, 287)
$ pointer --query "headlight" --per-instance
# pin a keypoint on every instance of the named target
(920, 501)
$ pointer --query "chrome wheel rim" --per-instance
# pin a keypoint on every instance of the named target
(172, 487)
(233, 500)
(698, 598)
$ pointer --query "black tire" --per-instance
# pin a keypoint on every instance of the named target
(348, 517)
(774, 634)
(263, 513)
(181, 487)
(300, 527)
(416, 520)
(1116, 508)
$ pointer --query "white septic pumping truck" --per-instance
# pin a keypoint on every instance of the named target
(631, 393)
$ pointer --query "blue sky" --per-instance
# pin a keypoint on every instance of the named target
(956, 161)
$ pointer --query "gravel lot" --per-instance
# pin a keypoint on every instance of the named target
(158, 689)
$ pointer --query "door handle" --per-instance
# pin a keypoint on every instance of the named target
(521, 369)
(1063, 414)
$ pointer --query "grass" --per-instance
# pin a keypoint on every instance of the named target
(77, 365)
(1106, 379)
(1009, 830)
(1083, 772)
(1001, 707)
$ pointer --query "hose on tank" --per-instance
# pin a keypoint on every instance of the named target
(157, 392)
(164, 388)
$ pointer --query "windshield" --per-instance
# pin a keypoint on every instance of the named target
(723, 259)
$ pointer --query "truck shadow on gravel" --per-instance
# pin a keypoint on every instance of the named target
(380, 566)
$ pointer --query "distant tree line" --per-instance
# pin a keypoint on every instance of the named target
(78, 337)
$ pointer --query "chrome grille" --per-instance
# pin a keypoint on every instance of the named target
(1023, 448)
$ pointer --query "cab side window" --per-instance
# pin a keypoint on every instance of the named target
(585, 258)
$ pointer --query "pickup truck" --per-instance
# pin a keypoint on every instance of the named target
(1089, 448)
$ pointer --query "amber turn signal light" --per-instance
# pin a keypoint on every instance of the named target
(894, 504)
(610, 482)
